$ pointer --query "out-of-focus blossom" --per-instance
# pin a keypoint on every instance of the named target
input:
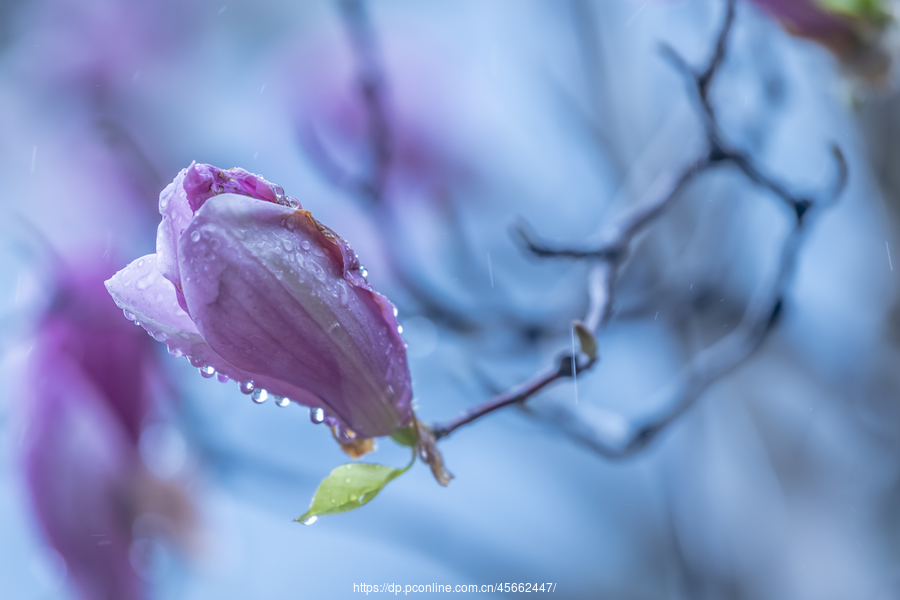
(251, 287)
(851, 29)
(87, 402)
(331, 111)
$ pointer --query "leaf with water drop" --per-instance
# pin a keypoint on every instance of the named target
(350, 486)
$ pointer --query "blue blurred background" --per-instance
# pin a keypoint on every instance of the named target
(782, 482)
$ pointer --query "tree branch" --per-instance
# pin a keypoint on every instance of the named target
(708, 365)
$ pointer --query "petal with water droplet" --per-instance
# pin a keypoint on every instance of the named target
(280, 328)
(158, 311)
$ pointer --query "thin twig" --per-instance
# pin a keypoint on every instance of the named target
(373, 90)
(598, 312)
(708, 365)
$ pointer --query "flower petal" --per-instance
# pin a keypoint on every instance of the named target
(151, 301)
(279, 295)
(202, 182)
(176, 214)
(78, 465)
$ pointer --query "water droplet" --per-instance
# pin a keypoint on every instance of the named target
(196, 361)
(304, 244)
(318, 271)
(195, 236)
(223, 378)
(361, 498)
(399, 328)
(246, 387)
(259, 395)
(333, 327)
(346, 480)
(291, 225)
(363, 271)
(395, 311)
(316, 415)
(138, 323)
(175, 352)
(287, 245)
(207, 371)
(282, 401)
(345, 435)
(344, 295)
(309, 520)
(159, 336)
(353, 497)
(128, 315)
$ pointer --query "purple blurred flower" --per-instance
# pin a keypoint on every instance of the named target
(424, 121)
(852, 34)
(250, 286)
(87, 404)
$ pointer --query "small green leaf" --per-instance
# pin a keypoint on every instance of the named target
(870, 9)
(407, 437)
(586, 339)
(348, 487)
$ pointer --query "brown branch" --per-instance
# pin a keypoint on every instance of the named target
(372, 86)
(708, 365)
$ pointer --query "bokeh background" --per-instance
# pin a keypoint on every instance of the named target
(782, 482)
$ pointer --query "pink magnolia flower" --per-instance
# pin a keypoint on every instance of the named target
(87, 404)
(250, 286)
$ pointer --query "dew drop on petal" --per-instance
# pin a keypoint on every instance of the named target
(353, 497)
(281, 401)
(223, 378)
(175, 352)
(309, 520)
(195, 361)
(287, 245)
(399, 328)
(304, 244)
(259, 395)
(159, 336)
(138, 323)
(195, 236)
(395, 311)
(207, 371)
(316, 415)
(246, 387)
(345, 435)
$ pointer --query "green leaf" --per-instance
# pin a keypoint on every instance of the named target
(408, 436)
(348, 487)
(871, 9)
